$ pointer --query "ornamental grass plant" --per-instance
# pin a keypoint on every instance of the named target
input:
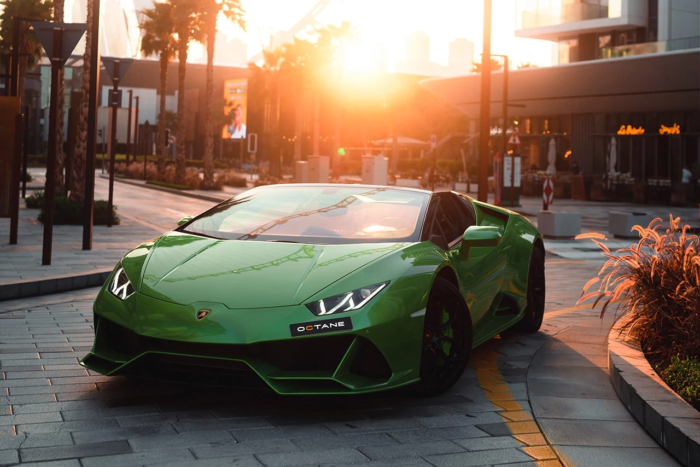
(655, 284)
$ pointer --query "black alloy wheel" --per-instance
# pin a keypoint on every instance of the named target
(447, 339)
(534, 311)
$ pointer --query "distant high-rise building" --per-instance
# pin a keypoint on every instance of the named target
(418, 47)
(417, 61)
(461, 56)
(229, 52)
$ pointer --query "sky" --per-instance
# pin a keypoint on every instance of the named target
(387, 23)
(383, 26)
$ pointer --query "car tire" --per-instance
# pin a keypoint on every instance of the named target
(534, 311)
(447, 339)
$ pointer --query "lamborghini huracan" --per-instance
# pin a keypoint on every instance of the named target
(322, 289)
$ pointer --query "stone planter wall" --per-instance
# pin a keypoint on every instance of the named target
(670, 420)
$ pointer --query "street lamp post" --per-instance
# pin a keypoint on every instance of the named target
(128, 126)
(485, 108)
(116, 69)
(58, 40)
(91, 149)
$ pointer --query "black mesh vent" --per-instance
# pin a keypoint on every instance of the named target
(369, 362)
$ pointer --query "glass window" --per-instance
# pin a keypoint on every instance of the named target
(316, 214)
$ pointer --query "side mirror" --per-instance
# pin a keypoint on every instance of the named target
(477, 236)
(184, 220)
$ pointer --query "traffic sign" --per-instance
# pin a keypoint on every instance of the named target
(514, 139)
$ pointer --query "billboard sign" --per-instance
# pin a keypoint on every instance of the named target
(235, 108)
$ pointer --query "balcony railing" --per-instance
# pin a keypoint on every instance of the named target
(568, 13)
(646, 48)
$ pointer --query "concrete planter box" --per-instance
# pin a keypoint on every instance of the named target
(559, 225)
(620, 223)
(670, 420)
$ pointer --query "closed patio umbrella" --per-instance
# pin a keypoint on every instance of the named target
(552, 157)
(612, 160)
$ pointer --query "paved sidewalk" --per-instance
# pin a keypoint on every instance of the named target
(53, 410)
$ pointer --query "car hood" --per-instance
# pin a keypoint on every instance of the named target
(185, 269)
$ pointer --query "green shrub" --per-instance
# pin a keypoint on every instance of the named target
(67, 213)
(28, 177)
(683, 376)
(656, 285)
(35, 200)
(233, 179)
(169, 185)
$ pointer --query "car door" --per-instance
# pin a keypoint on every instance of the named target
(481, 276)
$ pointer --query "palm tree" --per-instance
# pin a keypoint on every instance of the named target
(159, 38)
(30, 47)
(58, 6)
(188, 27)
(77, 185)
(496, 65)
(232, 11)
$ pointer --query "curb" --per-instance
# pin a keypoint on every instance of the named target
(168, 190)
(670, 420)
(53, 284)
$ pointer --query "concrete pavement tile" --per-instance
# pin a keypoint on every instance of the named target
(289, 432)
(461, 420)
(350, 440)
(568, 373)
(579, 409)
(410, 450)
(226, 449)
(237, 461)
(374, 425)
(69, 452)
(614, 456)
(117, 434)
(474, 458)
(516, 416)
(402, 462)
(35, 440)
(456, 432)
(303, 458)
(139, 458)
(194, 438)
(9, 457)
(510, 428)
(595, 433)
(488, 443)
(61, 463)
(574, 389)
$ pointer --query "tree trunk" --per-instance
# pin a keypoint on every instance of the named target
(164, 59)
(77, 188)
(209, 125)
(181, 120)
(60, 115)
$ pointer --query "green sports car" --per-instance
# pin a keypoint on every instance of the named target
(322, 288)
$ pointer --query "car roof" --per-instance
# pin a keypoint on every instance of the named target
(353, 185)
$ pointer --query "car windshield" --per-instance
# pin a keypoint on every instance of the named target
(316, 214)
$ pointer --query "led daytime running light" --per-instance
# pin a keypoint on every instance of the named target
(349, 301)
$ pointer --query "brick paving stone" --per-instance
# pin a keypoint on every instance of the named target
(540, 452)
(61, 463)
(8, 457)
(303, 458)
(83, 425)
(351, 440)
(183, 427)
(235, 461)
(244, 447)
(416, 449)
(116, 434)
(140, 458)
(373, 425)
(75, 451)
(474, 458)
(303, 431)
(485, 444)
(35, 440)
(194, 438)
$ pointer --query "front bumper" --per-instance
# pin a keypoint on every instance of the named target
(147, 337)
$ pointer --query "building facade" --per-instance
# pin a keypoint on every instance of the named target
(627, 85)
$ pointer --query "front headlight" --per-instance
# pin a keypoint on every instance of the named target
(120, 285)
(346, 302)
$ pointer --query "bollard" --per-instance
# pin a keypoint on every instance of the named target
(547, 193)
